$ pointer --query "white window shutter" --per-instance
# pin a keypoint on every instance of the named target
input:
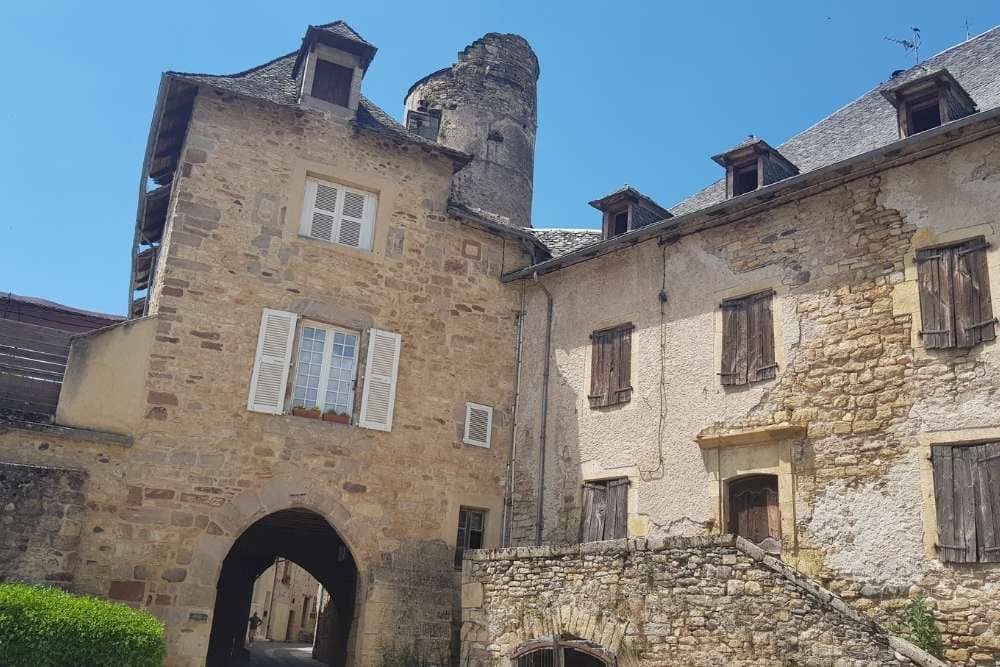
(270, 368)
(352, 220)
(319, 211)
(379, 397)
(478, 424)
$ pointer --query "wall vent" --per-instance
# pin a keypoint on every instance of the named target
(478, 424)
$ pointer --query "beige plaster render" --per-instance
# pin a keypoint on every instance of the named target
(104, 385)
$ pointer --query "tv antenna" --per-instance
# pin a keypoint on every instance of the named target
(909, 45)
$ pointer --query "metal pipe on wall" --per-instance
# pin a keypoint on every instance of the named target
(543, 418)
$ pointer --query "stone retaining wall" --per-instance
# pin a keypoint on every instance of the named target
(691, 601)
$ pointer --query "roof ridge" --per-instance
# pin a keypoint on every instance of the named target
(237, 74)
(346, 25)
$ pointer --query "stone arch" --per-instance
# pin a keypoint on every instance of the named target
(230, 522)
(588, 625)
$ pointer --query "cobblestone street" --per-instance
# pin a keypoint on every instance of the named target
(280, 654)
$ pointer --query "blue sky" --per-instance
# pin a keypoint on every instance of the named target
(631, 92)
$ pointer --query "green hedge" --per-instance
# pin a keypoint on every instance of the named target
(47, 627)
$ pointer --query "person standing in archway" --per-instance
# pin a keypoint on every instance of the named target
(255, 622)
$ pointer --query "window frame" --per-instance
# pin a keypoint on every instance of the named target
(768, 370)
(741, 168)
(978, 455)
(463, 532)
(611, 215)
(348, 71)
(366, 237)
(618, 527)
(919, 103)
(952, 251)
(325, 365)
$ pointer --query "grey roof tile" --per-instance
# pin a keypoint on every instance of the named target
(869, 122)
(561, 241)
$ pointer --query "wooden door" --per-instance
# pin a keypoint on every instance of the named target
(754, 512)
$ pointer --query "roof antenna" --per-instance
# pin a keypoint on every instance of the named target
(909, 45)
(968, 36)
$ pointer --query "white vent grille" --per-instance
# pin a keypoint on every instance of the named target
(478, 424)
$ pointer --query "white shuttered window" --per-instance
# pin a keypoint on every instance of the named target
(338, 214)
(270, 368)
(324, 373)
(381, 370)
(478, 424)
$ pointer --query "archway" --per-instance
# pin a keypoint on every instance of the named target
(562, 651)
(308, 540)
(754, 512)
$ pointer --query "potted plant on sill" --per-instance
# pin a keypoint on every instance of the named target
(309, 413)
(335, 416)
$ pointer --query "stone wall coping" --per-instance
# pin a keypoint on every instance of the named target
(67, 432)
(751, 436)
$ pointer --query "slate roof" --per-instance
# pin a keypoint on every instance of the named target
(869, 122)
(561, 241)
(275, 82)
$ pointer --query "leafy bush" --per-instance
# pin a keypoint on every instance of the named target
(47, 627)
(918, 627)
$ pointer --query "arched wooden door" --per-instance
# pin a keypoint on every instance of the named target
(562, 651)
(754, 513)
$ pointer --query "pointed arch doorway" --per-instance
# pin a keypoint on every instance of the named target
(308, 540)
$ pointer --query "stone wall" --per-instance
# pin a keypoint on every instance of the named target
(848, 422)
(41, 511)
(674, 601)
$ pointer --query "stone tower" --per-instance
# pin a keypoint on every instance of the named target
(485, 105)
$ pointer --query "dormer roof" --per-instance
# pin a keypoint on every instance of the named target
(749, 148)
(337, 35)
(628, 194)
(913, 82)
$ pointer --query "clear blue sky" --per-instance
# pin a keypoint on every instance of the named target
(636, 92)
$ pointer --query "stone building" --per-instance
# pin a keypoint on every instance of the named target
(286, 598)
(348, 348)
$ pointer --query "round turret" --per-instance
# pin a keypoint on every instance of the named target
(485, 105)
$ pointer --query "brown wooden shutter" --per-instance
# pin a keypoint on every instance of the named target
(332, 82)
(955, 500)
(988, 502)
(611, 366)
(595, 502)
(616, 519)
(760, 327)
(934, 281)
(974, 320)
(734, 342)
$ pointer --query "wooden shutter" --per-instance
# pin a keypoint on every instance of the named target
(954, 498)
(379, 397)
(274, 354)
(595, 503)
(760, 338)
(735, 326)
(611, 366)
(934, 281)
(616, 518)
(478, 424)
(988, 502)
(332, 82)
(974, 321)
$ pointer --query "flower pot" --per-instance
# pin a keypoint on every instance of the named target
(304, 412)
(334, 417)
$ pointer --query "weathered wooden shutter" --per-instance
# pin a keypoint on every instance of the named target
(988, 502)
(616, 517)
(954, 497)
(332, 82)
(934, 282)
(274, 354)
(611, 366)
(735, 325)
(595, 503)
(974, 321)
(760, 327)
(381, 369)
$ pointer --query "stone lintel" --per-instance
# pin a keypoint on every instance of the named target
(763, 435)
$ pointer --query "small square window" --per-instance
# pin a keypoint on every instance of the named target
(338, 214)
(471, 531)
(332, 83)
(923, 115)
(745, 179)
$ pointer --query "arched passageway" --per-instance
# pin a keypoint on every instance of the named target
(308, 540)
(562, 651)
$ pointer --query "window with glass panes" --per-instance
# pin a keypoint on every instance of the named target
(471, 528)
(325, 369)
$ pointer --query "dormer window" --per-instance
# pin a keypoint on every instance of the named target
(927, 102)
(425, 122)
(332, 83)
(627, 210)
(745, 178)
(752, 164)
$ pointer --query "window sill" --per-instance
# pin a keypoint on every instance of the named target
(361, 252)
(314, 416)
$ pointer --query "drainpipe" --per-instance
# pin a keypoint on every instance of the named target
(544, 413)
(508, 502)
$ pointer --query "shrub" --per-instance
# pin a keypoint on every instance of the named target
(918, 627)
(47, 627)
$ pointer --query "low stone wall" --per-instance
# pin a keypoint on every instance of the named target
(41, 513)
(679, 601)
